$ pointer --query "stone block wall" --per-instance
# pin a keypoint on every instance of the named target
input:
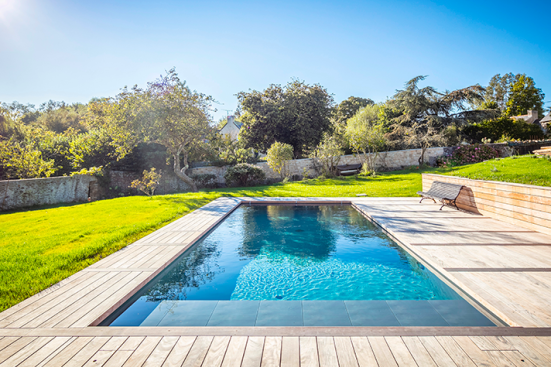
(16, 194)
(389, 161)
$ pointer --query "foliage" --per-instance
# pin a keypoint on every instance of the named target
(425, 114)
(468, 154)
(297, 114)
(59, 119)
(90, 149)
(148, 183)
(167, 112)
(496, 94)
(524, 96)
(204, 180)
(20, 161)
(278, 158)
(326, 156)
(244, 174)
(231, 152)
(366, 135)
(503, 126)
(92, 171)
(346, 109)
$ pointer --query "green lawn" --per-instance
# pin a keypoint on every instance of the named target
(42, 246)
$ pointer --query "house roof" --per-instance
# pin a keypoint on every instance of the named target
(547, 118)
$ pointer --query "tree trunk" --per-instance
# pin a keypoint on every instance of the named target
(180, 172)
(422, 157)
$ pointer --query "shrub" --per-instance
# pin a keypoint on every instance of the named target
(468, 154)
(243, 174)
(204, 180)
(503, 126)
(149, 182)
(326, 156)
(278, 156)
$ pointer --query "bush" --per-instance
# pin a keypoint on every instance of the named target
(243, 174)
(204, 180)
(503, 126)
(278, 158)
(468, 154)
(149, 182)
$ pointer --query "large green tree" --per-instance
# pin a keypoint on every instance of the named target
(524, 96)
(424, 114)
(346, 109)
(297, 114)
(167, 112)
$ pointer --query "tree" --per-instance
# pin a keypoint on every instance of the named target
(279, 154)
(496, 93)
(425, 114)
(366, 135)
(524, 96)
(297, 114)
(148, 183)
(327, 155)
(167, 112)
(346, 109)
(21, 161)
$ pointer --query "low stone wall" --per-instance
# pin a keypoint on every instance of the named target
(389, 161)
(527, 206)
(16, 194)
(119, 183)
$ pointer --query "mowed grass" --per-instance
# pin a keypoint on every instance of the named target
(42, 246)
(527, 169)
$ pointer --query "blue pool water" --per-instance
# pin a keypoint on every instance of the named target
(286, 253)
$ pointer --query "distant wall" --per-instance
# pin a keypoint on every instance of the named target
(525, 205)
(16, 194)
(393, 160)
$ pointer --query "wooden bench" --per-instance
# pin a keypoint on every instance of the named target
(348, 169)
(444, 192)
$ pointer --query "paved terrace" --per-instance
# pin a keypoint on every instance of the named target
(503, 270)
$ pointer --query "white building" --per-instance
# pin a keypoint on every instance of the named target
(231, 128)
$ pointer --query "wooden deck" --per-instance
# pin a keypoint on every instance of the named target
(504, 270)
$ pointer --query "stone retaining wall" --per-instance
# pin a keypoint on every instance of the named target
(389, 161)
(16, 194)
(527, 206)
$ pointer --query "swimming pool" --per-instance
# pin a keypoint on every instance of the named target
(295, 261)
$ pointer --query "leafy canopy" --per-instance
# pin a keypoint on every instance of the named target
(297, 114)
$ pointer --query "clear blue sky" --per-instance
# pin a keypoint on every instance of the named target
(74, 50)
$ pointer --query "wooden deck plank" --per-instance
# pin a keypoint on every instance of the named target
(22, 354)
(364, 353)
(83, 307)
(217, 351)
(499, 359)
(198, 351)
(326, 351)
(7, 340)
(54, 354)
(253, 352)
(290, 352)
(382, 352)
(80, 306)
(87, 351)
(118, 358)
(308, 351)
(235, 352)
(161, 351)
(345, 352)
(400, 351)
(179, 352)
(271, 355)
(478, 356)
(116, 297)
(15, 347)
(517, 358)
(44, 352)
(69, 352)
(100, 358)
(418, 351)
(143, 351)
(445, 352)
